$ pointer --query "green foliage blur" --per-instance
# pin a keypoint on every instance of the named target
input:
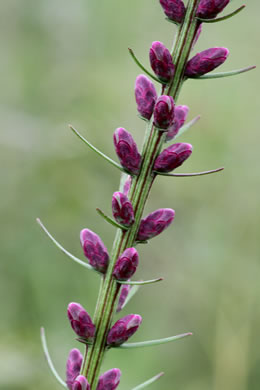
(67, 62)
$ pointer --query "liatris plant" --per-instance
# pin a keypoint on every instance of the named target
(165, 122)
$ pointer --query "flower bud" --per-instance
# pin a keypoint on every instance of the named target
(94, 250)
(122, 209)
(125, 289)
(73, 366)
(145, 96)
(126, 264)
(126, 150)
(172, 157)
(123, 329)
(180, 115)
(197, 35)
(208, 9)
(127, 185)
(164, 112)
(109, 380)
(155, 223)
(80, 321)
(174, 9)
(161, 61)
(206, 61)
(81, 383)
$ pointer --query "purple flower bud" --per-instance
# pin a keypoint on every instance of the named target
(123, 329)
(126, 264)
(174, 9)
(206, 61)
(109, 380)
(164, 112)
(81, 321)
(155, 223)
(180, 115)
(94, 250)
(161, 61)
(73, 367)
(126, 150)
(127, 185)
(122, 209)
(208, 9)
(145, 96)
(125, 289)
(81, 383)
(172, 157)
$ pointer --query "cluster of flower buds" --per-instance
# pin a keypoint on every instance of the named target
(209, 9)
(174, 9)
(126, 150)
(94, 250)
(122, 209)
(123, 329)
(155, 223)
(108, 381)
(81, 321)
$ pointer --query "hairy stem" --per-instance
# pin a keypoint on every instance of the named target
(140, 189)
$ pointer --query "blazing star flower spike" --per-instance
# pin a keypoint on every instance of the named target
(109, 380)
(126, 150)
(81, 321)
(126, 264)
(73, 367)
(161, 61)
(94, 250)
(145, 96)
(209, 9)
(206, 61)
(174, 9)
(122, 209)
(125, 289)
(180, 116)
(172, 157)
(81, 383)
(155, 223)
(123, 329)
(164, 112)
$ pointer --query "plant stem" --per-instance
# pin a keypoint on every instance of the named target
(139, 192)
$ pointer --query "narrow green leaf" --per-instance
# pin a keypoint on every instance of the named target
(190, 174)
(223, 17)
(48, 358)
(223, 74)
(149, 382)
(130, 295)
(110, 220)
(187, 126)
(112, 162)
(74, 258)
(139, 283)
(151, 343)
(144, 69)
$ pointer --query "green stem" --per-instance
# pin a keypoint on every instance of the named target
(139, 192)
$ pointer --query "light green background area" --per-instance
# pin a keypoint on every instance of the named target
(67, 62)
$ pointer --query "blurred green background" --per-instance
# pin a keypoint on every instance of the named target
(67, 62)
